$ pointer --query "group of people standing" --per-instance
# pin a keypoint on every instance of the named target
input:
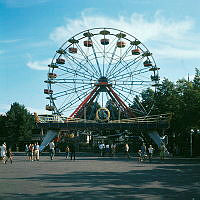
(6, 153)
(143, 153)
(33, 151)
(107, 149)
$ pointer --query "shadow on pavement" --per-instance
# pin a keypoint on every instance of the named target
(180, 181)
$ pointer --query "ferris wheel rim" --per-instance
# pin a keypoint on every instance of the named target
(88, 30)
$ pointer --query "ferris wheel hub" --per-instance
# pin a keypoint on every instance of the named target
(103, 80)
(103, 83)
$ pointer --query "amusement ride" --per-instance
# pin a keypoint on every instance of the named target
(96, 79)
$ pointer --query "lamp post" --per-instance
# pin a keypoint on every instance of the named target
(191, 132)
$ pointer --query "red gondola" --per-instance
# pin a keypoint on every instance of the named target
(136, 52)
(147, 63)
(88, 43)
(47, 91)
(60, 61)
(121, 44)
(72, 50)
(52, 75)
(104, 41)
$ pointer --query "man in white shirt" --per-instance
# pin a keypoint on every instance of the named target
(52, 150)
(3, 151)
(101, 148)
(150, 149)
(37, 151)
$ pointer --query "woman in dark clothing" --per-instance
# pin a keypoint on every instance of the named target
(73, 150)
(9, 155)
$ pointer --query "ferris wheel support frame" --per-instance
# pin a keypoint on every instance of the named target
(91, 97)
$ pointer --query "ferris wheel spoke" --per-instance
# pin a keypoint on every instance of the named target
(111, 60)
(70, 91)
(122, 96)
(130, 83)
(75, 72)
(96, 59)
(79, 64)
(140, 106)
(127, 66)
(120, 60)
(127, 90)
(77, 81)
(126, 99)
(131, 74)
(73, 101)
(102, 53)
(87, 59)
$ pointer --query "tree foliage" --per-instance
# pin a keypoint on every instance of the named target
(18, 124)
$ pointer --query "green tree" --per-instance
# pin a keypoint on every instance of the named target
(19, 124)
(2, 128)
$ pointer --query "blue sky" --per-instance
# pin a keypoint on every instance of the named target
(32, 30)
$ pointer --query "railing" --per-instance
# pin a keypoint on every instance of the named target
(60, 119)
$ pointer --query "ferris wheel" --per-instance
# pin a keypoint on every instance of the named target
(98, 66)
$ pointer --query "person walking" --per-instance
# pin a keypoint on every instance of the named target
(162, 152)
(67, 151)
(107, 149)
(101, 149)
(150, 150)
(27, 150)
(113, 149)
(144, 151)
(30, 152)
(3, 152)
(52, 149)
(73, 150)
(127, 150)
(9, 155)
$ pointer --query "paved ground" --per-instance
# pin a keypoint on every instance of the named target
(100, 178)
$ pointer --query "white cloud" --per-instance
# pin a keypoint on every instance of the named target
(39, 65)
(168, 37)
(136, 25)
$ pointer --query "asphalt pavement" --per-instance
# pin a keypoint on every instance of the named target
(100, 178)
